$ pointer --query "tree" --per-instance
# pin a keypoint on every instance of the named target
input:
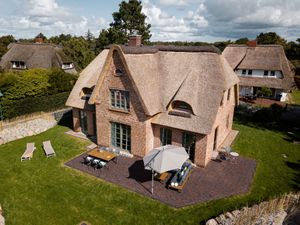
(270, 38)
(90, 39)
(128, 20)
(264, 92)
(4, 42)
(78, 49)
(242, 41)
(59, 39)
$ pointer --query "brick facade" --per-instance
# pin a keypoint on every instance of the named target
(144, 135)
(136, 118)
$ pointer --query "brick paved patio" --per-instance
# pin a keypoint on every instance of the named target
(218, 180)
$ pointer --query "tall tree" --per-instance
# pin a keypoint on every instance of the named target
(241, 41)
(4, 42)
(90, 39)
(128, 20)
(78, 49)
(270, 38)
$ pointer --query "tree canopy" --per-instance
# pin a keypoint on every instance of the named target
(270, 38)
(128, 20)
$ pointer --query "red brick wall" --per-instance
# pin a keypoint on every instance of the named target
(76, 120)
(200, 148)
(136, 118)
(227, 109)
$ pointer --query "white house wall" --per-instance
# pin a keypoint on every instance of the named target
(259, 73)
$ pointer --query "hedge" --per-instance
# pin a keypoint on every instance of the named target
(15, 108)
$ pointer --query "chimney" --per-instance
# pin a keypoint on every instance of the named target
(135, 40)
(252, 43)
(39, 38)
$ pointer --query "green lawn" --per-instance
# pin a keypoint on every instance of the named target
(43, 191)
(296, 97)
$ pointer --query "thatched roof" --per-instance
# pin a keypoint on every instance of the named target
(196, 77)
(261, 57)
(35, 55)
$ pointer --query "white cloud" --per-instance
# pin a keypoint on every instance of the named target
(50, 18)
(173, 2)
(167, 27)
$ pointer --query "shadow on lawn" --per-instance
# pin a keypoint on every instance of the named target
(296, 180)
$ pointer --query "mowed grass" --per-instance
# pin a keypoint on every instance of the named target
(44, 191)
(296, 97)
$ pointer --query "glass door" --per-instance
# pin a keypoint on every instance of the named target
(83, 122)
(188, 142)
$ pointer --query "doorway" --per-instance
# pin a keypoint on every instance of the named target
(83, 122)
(216, 138)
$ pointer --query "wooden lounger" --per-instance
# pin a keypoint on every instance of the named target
(49, 151)
(27, 155)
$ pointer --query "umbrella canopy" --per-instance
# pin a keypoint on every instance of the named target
(165, 158)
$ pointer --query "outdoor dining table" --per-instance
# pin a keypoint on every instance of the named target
(101, 154)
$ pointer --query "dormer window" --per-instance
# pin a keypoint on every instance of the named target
(18, 65)
(180, 108)
(86, 93)
(66, 66)
(272, 74)
(119, 72)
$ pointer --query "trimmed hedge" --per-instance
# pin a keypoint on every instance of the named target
(15, 108)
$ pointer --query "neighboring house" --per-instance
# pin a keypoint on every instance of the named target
(139, 97)
(21, 56)
(258, 66)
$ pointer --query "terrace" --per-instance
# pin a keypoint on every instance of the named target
(218, 180)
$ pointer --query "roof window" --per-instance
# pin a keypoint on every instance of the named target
(18, 65)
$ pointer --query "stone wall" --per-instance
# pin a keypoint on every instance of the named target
(271, 212)
(29, 126)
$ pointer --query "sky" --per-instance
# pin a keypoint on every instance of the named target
(171, 20)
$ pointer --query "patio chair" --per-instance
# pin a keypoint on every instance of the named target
(87, 160)
(49, 151)
(27, 155)
(100, 165)
(94, 163)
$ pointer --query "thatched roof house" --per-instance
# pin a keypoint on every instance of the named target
(268, 65)
(35, 55)
(159, 78)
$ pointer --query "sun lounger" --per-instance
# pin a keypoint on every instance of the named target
(27, 155)
(48, 149)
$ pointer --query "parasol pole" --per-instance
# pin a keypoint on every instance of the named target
(152, 181)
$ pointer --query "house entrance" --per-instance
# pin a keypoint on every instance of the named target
(188, 142)
(83, 122)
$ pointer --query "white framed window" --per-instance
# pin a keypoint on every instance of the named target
(272, 74)
(266, 72)
(66, 66)
(18, 65)
(244, 72)
(249, 72)
(120, 99)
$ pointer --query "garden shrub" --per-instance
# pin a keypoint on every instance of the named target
(34, 90)
(271, 114)
(60, 81)
(14, 108)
